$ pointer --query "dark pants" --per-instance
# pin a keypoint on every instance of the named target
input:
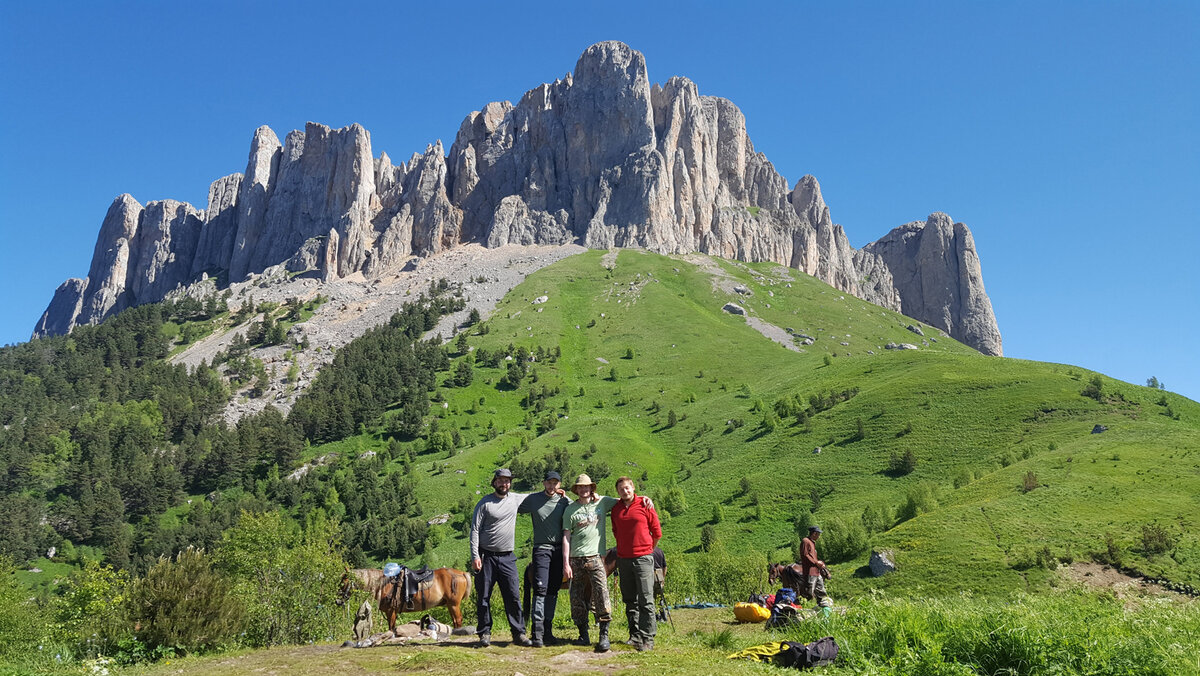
(637, 590)
(547, 580)
(498, 568)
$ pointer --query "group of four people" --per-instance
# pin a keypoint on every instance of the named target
(569, 542)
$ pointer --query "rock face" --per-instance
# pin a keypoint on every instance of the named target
(600, 157)
(935, 270)
(882, 562)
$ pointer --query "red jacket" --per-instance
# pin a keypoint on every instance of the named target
(636, 528)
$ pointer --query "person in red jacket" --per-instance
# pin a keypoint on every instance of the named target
(635, 525)
(814, 570)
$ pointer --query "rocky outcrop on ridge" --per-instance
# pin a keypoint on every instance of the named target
(599, 157)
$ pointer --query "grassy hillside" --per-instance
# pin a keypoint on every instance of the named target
(1008, 475)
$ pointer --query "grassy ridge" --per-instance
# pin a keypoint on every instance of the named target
(976, 425)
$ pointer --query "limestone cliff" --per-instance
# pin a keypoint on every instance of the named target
(599, 157)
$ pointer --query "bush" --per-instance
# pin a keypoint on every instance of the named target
(1029, 482)
(716, 576)
(921, 498)
(184, 603)
(708, 538)
(285, 577)
(92, 613)
(672, 501)
(843, 540)
(901, 465)
(20, 627)
(1156, 539)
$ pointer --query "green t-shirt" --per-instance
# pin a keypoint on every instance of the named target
(547, 512)
(585, 522)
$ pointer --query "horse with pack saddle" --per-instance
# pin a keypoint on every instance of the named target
(405, 590)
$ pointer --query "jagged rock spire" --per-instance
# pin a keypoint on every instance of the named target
(600, 157)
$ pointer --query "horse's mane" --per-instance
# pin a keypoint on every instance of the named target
(369, 579)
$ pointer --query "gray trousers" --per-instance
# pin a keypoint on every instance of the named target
(816, 587)
(637, 590)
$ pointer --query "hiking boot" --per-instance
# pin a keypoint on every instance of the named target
(485, 640)
(602, 645)
(536, 642)
(646, 645)
(522, 640)
(551, 639)
(583, 636)
(633, 641)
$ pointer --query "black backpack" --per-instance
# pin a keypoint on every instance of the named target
(803, 656)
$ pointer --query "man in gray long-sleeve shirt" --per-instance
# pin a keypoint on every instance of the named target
(493, 532)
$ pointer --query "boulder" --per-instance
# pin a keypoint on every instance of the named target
(882, 562)
(734, 309)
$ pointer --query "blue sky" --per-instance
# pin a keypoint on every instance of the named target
(1063, 133)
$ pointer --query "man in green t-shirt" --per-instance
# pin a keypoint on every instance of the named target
(583, 559)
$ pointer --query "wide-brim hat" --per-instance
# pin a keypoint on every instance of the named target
(583, 480)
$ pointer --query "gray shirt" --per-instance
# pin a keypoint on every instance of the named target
(547, 514)
(494, 524)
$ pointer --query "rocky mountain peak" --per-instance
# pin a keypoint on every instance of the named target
(598, 157)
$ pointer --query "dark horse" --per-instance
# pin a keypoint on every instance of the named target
(789, 575)
(447, 587)
(610, 566)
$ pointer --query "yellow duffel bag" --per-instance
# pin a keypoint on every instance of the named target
(751, 612)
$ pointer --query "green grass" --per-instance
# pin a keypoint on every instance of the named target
(1067, 632)
(979, 422)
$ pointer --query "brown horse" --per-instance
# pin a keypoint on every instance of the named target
(448, 587)
(789, 575)
(610, 567)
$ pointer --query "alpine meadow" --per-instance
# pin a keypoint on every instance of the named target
(988, 479)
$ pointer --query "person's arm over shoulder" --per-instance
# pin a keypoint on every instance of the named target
(606, 503)
(655, 526)
(526, 505)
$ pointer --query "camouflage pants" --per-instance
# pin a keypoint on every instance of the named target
(588, 571)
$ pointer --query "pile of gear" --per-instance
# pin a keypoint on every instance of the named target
(779, 609)
(819, 653)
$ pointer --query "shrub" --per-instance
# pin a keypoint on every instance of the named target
(285, 576)
(842, 540)
(184, 603)
(672, 500)
(803, 520)
(1156, 539)
(1094, 389)
(877, 519)
(921, 498)
(717, 576)
(708, 538)
(93, 612)
(1029, 482)
(20, 626)
(901, 465)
